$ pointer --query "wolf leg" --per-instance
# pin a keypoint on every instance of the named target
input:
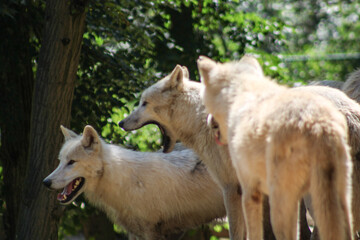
(287, 180)
(284, 213)
(305, 232)
(330, 203)
(252, 204)
(232, 198)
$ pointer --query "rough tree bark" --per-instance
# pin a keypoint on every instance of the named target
(16, 84)
(51, 106)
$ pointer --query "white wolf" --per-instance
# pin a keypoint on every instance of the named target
(149, 194)
(284, 143)
(352, 88)
(174, 104)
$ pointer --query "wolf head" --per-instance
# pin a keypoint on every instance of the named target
(219, 85)
(157, 105)
(79, 165)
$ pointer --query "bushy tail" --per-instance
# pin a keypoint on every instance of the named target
(330, 189)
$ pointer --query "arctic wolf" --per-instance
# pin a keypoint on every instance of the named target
(149, 194)
(284, 143)
(174, 104)
(351, 110)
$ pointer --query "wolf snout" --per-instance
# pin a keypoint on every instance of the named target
(121, 124)
(47, 182)
(128, 125)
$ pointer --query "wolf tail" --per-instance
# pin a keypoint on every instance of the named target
(330, 188)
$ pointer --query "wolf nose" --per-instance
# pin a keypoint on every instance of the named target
(121, 124)
(47, 182)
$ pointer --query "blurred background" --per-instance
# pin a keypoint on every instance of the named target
(125, 47)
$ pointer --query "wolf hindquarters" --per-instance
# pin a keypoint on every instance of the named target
(322, 167)
(282, 142)
(331, 196)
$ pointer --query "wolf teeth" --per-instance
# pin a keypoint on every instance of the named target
(64, 197)
(77, 182)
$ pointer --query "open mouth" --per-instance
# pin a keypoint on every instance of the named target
(71, 191)
(218, 138)
(166, 140)
(215, 126)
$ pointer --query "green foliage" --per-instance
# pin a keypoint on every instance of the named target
(148, 138)
(115, 60)
(128, 45)
(320, 28)
(306, 71)
(74, 214)
(217, 29)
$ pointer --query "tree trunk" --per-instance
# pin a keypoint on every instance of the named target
(16, 85)
(51, 106)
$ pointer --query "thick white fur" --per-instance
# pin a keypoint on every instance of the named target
(174, 103)
(150, 194)
(284, 143)
(352, 113)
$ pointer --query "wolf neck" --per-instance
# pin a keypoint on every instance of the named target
(191, 126)
(106, 193)
(190, 129)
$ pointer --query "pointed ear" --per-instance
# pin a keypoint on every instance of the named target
(205, 66)
(90, 139)
(176, 78)
(248, 59)
(185, 72)
(68, 134)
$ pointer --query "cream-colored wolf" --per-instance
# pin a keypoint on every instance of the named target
(351, 110)
(174, 104)
(284, 143)
(150, 194)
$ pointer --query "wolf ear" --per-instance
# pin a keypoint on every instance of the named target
(185, 72)
(176, 77)
(68, 134)
(90, 139)
(205, 65)
(248, 59)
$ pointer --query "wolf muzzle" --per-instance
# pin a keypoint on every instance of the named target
(47, 183)
(121, 124)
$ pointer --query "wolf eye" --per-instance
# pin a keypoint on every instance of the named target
(71, 162)
(144, 103)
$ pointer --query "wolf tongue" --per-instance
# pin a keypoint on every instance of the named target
(60, 196)
(68, 188)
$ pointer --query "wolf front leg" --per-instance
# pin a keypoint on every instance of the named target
(252, 201)
(234, 211)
